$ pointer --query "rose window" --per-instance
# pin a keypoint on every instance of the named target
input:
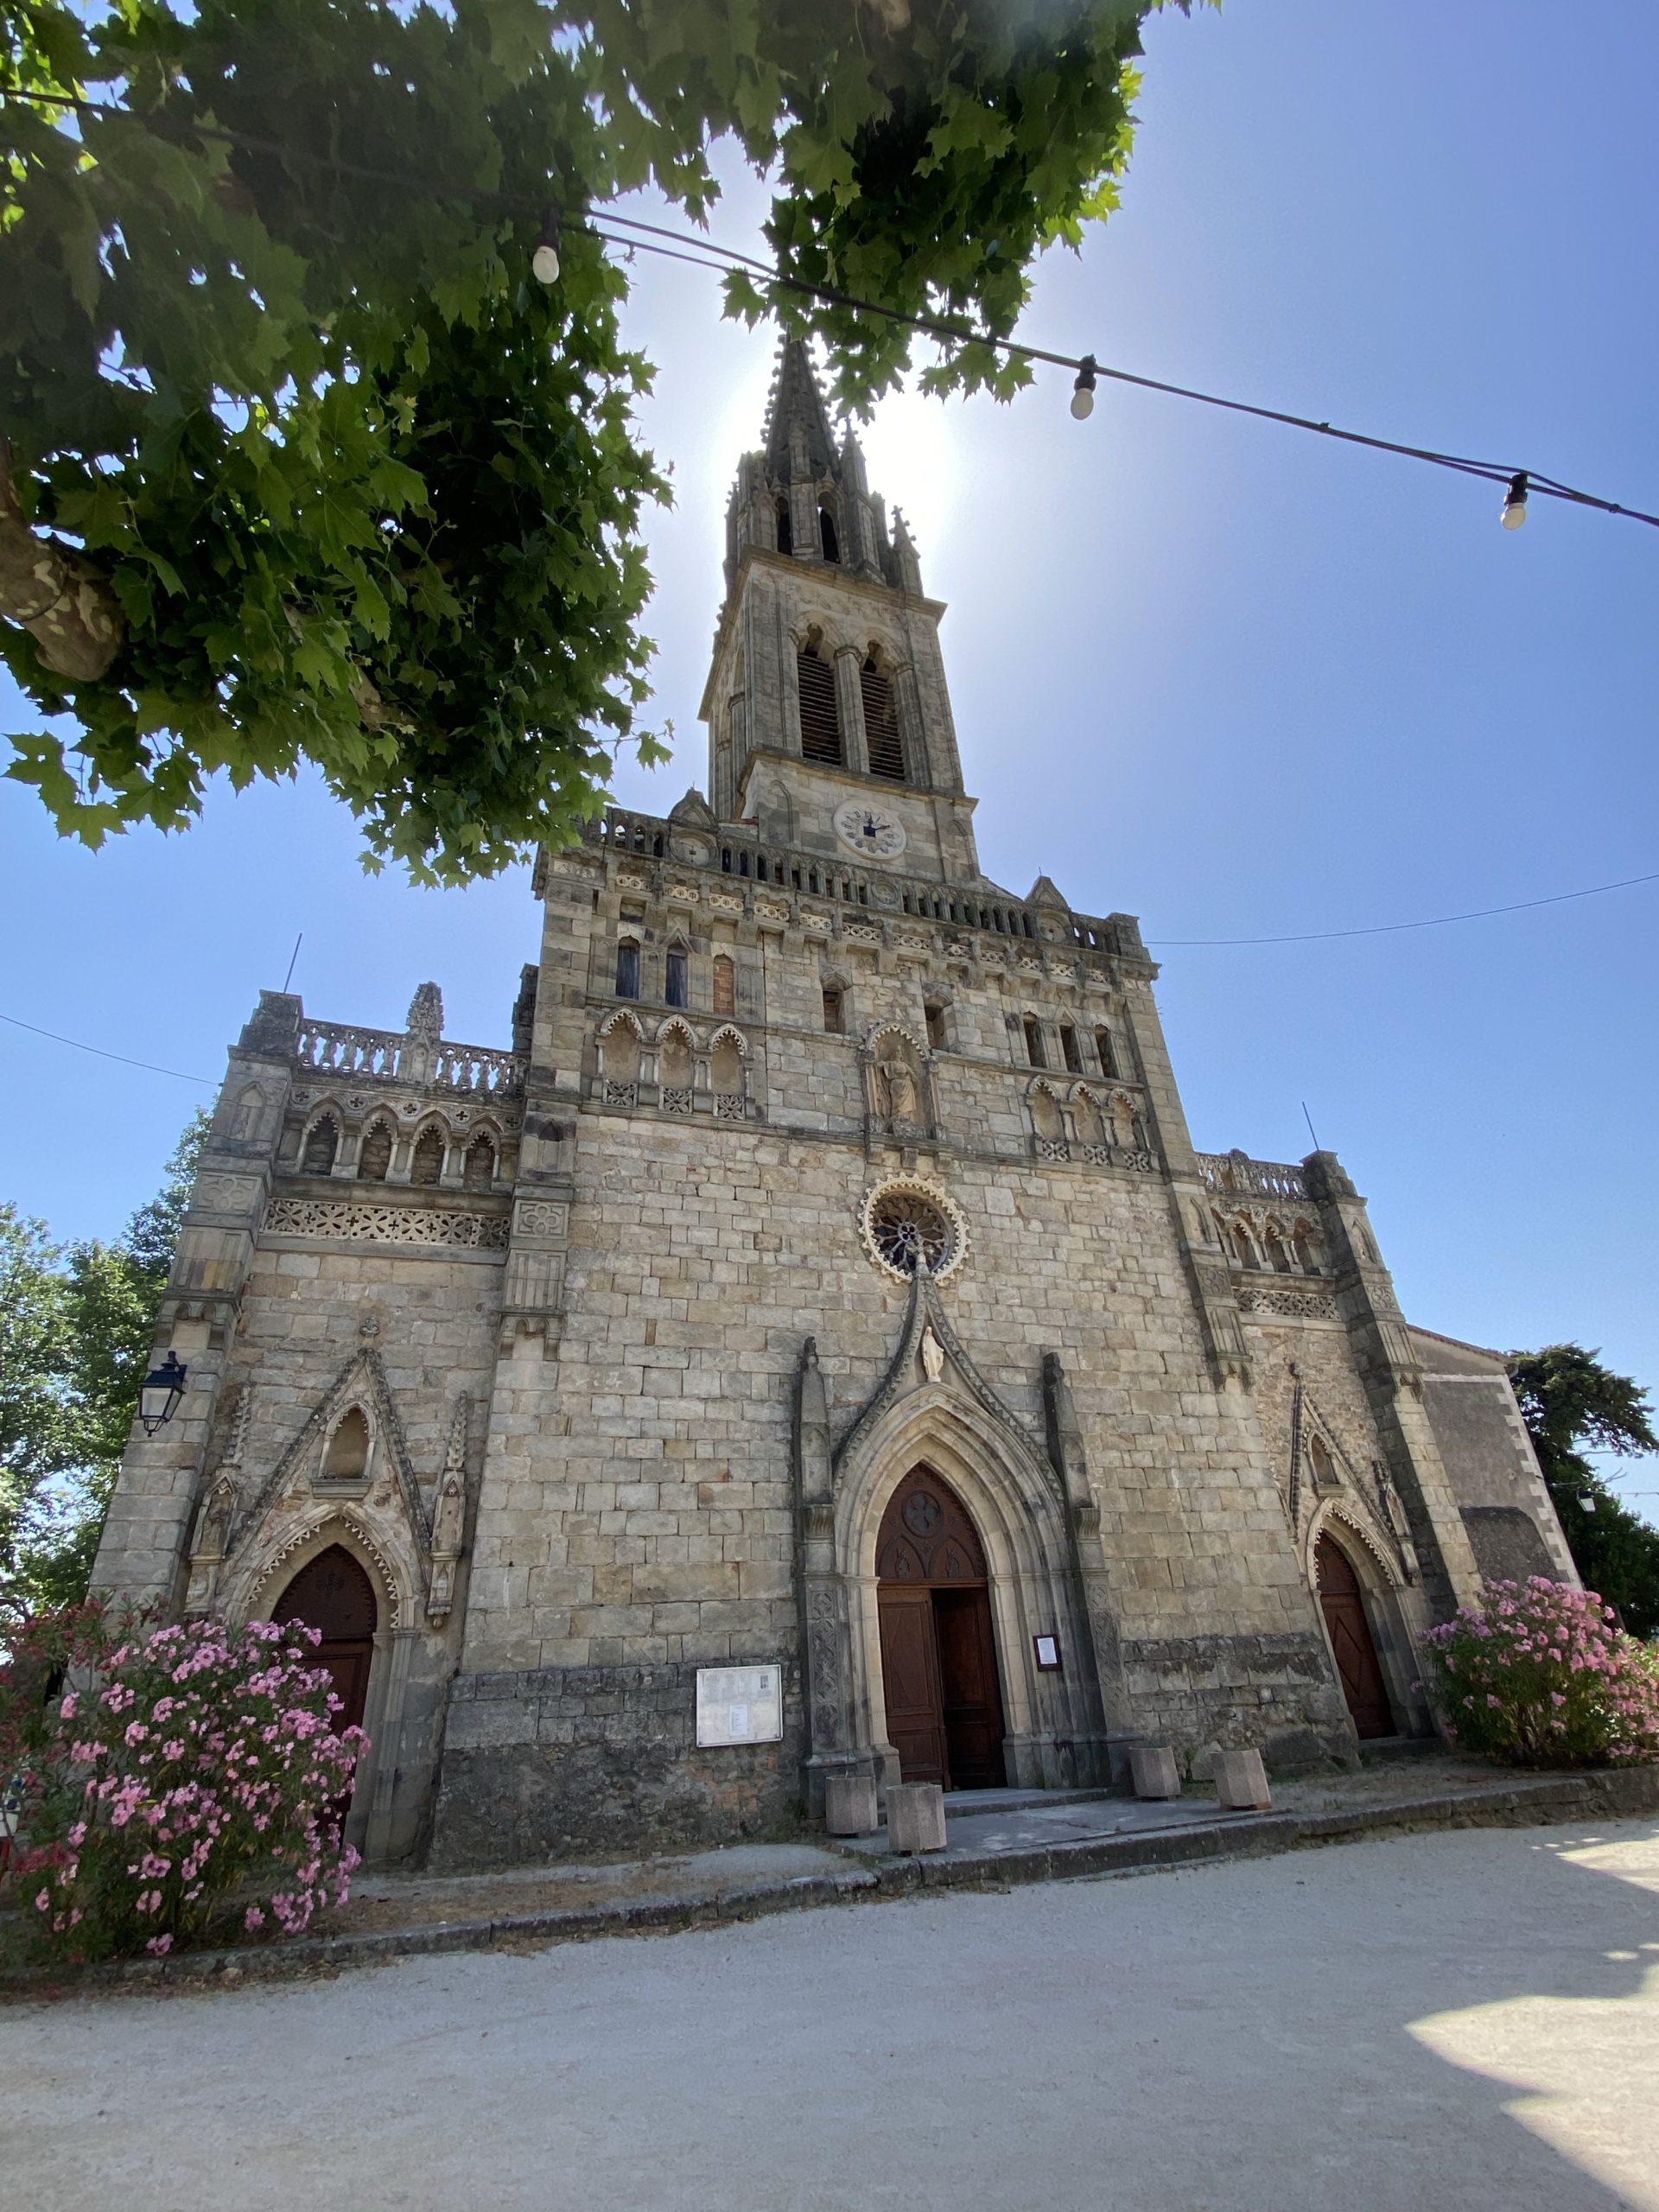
(905, 1223)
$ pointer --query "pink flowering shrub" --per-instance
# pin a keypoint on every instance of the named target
(174, 1781)
(1539, 1676)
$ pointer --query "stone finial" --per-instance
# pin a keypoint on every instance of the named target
(425, 1018)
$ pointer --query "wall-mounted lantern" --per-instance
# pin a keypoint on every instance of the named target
(159, 1393)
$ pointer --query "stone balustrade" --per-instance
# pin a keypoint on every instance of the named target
(392, 1056)
(1234, 1174)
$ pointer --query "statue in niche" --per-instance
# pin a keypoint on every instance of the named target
(213, 1525)
(897, 1090)
(1388, 1498)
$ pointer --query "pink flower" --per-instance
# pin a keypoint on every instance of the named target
(68, 1708)
(159, 1944)
(253, 1918)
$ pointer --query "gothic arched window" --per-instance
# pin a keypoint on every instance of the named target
(834, 1015)
(426, 1164)
(1034, 1051)
(820, 714)
(1108, 1054)
(786, 530)
(1069, 1048)
(934, 1014)
(674, 980)
(478, 1172)
(627, 970)
(827, 538)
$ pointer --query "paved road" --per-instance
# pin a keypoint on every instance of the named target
(1453, 2023)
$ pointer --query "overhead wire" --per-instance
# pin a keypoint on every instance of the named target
(75, 1043)
(730, 261)
(1432, 922)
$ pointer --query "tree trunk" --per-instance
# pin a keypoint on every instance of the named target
(55, 593)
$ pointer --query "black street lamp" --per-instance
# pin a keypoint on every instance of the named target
(159, 1393)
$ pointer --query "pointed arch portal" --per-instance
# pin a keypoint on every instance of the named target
(331, 1594)
(938, 1648)
(1342, 1602)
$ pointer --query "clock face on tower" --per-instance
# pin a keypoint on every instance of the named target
(870, 829)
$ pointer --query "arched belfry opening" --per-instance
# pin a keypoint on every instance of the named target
(939, 1673)
(1342, 1601)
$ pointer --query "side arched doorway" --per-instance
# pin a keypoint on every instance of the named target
(1343, 1604)
(938, 1650)
(332, 1594)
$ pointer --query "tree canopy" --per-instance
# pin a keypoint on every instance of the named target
(299, 460)
(1570, 1402)
(77, 1327)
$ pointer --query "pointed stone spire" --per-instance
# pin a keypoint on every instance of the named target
(799, 439)
(904, 558)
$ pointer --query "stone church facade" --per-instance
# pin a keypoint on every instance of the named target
(824, 1280)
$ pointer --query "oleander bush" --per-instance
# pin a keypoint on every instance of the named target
(168, 1783)
(1540, 1674)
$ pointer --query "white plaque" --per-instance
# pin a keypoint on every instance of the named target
(739, 1705)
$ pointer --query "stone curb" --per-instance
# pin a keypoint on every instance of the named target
(1608, 1794)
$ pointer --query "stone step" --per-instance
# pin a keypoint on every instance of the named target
(958, 1803)
(1376, 1750)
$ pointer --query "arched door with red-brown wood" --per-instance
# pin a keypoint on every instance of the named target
(938, 1651)
(331, 1594)
(1343, 1607)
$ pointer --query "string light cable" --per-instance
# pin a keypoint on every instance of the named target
(1519, 484)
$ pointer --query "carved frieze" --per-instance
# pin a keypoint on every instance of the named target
(449, 1227)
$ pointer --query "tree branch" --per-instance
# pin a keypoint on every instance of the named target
(55, 593)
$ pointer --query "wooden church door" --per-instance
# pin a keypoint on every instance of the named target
(332, 1594)
(1351, 1640)
(938, 1652)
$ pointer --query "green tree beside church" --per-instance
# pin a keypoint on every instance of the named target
(1569, 1402)
(77, 1324)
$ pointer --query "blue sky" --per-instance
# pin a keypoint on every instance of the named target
(1240, 681)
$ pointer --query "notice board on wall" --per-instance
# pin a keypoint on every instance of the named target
(739, 1705)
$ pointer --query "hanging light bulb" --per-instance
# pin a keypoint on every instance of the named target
(1083, 395)
(544, 262)
(1514, 501)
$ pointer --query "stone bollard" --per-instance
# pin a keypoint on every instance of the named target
(849, 1804)
(915, 1817)
(1241, 1782)
(1153, 1771)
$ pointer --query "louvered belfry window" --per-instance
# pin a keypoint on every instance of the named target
(820, 722)
(882, 724)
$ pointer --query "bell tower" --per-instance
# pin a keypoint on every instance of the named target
(829, 721)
